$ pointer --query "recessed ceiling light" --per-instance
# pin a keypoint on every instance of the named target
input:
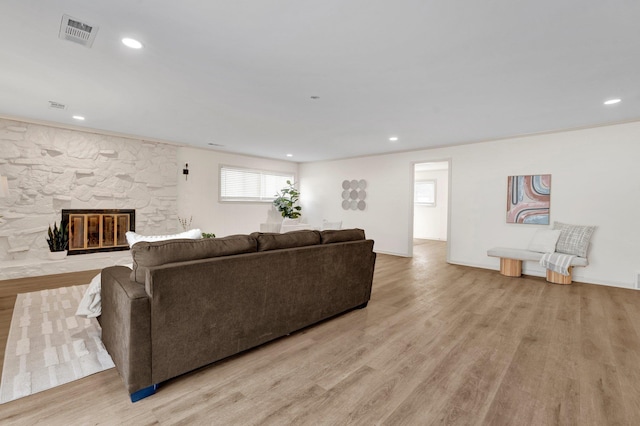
(289, 155)
(78, 117)
(393, 139)
(134, 44)
(612, 101)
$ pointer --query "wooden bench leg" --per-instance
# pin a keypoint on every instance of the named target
(510, 267)
(556, 278)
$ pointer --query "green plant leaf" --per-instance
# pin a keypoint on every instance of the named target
(285, 201)
(58, 237)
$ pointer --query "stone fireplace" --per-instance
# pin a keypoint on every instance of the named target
(98, 230)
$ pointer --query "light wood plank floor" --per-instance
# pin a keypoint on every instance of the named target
(438, 344)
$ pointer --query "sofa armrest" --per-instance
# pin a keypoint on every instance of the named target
(126, 326)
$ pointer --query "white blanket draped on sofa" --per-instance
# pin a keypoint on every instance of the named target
(90, 306)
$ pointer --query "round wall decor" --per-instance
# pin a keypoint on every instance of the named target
(353, 194)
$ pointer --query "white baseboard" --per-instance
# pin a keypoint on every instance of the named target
(534, 271)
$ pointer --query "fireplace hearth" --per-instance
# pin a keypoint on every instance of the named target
(98, 230)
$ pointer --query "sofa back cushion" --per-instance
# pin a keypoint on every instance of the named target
(341, 235)
(147, 254)
(267, 241)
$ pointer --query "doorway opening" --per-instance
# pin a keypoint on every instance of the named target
(431, 202)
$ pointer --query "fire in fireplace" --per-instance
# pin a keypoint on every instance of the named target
(92, 230)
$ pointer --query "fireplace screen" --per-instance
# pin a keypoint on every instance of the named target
(98, 230)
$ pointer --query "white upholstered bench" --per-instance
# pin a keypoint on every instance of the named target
(511, 263)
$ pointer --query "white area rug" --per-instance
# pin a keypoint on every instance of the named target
(48, 345)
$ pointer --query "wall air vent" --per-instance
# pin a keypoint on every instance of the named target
(79, 32)
(56, 105)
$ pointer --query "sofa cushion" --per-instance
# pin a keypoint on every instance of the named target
(522, 254)
(289, 240)
(341, 235)
(147, 254)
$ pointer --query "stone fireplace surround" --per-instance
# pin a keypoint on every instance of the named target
(50, 169)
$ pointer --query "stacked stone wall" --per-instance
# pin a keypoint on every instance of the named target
(50, 169)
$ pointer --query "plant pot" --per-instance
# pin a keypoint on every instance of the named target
(57, 255)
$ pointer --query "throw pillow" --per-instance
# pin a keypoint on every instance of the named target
(544, 240)
(574, 239)
(192, 234)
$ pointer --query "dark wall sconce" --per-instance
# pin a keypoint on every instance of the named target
(185, 171)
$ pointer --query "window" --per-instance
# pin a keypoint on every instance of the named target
(425, 193)
(238, 184)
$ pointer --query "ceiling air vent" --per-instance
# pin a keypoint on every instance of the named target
(56, 105)
(79, 32)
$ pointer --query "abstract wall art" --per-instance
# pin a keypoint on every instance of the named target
(528, 199)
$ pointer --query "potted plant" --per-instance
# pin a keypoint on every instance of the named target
(58, 241)
(186, 224)
(286, 202)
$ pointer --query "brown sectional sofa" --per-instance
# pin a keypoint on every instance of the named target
(188, 303)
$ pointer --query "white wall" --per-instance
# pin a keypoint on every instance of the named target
(430, 222)
(198, 195)
(389, 192)
(595, 181)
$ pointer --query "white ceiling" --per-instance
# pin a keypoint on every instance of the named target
(241, 73)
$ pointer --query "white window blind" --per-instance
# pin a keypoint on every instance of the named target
(425, 192)
(238, 184)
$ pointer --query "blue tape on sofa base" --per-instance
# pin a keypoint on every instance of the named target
(143, 393)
